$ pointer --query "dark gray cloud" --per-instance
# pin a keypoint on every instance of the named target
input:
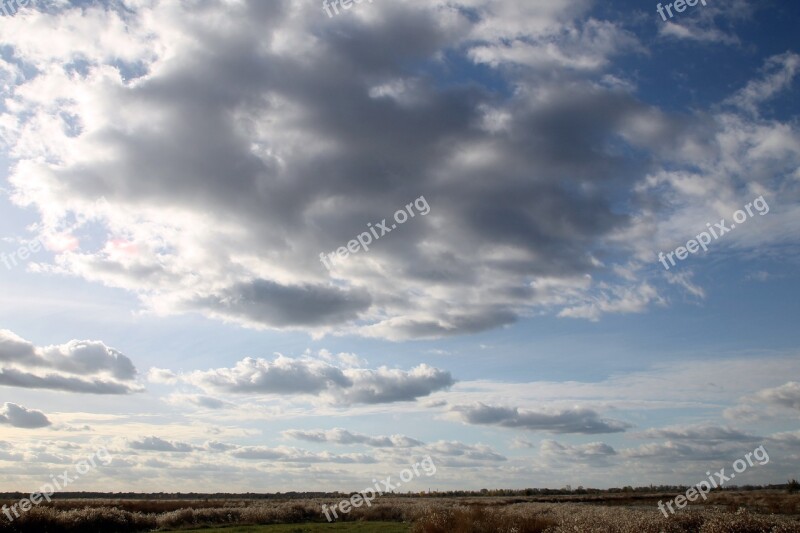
(265, 302)
(20, 417)
(577, 420)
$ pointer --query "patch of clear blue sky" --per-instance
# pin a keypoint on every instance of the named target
(678, 75)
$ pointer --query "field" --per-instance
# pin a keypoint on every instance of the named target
(759, 511)
(349, 527)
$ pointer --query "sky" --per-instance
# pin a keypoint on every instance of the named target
(276, 245)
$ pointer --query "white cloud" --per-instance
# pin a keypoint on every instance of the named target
(595, 453)
(76, 366)
(343, 436)
(20, 417)
(779, 74)
(337, 385)
(162, 375)
(156, 444)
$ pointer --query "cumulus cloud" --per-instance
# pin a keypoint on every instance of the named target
(20, 417)
(576, 420)
(343, 436)
(338, 385)
(76, 366)
(787, 395)
(156, 444)
(751, 408)
(219, 201)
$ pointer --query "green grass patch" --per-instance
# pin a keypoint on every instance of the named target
(339, 527)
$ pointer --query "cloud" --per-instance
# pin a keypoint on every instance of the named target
(779, 74)
(617, 300)
(576, 420)
(668, 449)
(702, 433)
(343, 436)
(786, 439)
(342, 386)
(680, 451)
(750, 408)
(518, 443)
(694, 33)
(580, 47)
(596, 453)
(156, 444)
(787, 395)
(709, 23)
(162, 375)
(219, 201)
(460, 450)
(76, 366)
(20, 417)
(265, 302)
(200, 400)
(295, 455)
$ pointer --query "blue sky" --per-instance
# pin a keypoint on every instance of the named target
(185, 163)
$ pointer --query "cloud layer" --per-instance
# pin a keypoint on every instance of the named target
(227, 172)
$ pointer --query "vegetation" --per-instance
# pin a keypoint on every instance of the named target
(765, 511)
(349, 527)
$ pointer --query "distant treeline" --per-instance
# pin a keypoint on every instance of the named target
(566, 491)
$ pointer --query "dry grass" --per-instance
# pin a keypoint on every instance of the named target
(428, 515)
